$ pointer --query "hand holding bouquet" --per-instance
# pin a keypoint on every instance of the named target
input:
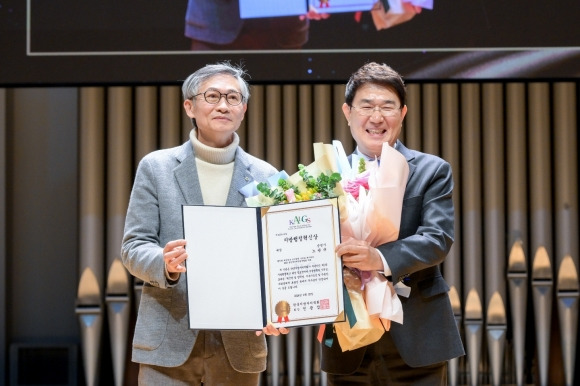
(370, 196)
(374, 192)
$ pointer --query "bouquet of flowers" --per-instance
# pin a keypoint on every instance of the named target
(370, 196)
(316, 181)
(373, 200)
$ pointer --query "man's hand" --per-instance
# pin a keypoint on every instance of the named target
(359, 254)
(175, 255)
(271, 330)
(314, 15)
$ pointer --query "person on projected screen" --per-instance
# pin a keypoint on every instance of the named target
(208, 169)
(414, 352)
(217, 25)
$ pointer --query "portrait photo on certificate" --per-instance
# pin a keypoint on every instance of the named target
(249, 266)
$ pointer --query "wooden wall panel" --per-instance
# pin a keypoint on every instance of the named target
(146, 121)
(290, 128)
(430, 129)
(306, 125)
(170, 110)
(411, 133)
(273, 128)
(255, 138)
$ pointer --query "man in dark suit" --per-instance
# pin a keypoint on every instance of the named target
(208, 169)
(417, 351)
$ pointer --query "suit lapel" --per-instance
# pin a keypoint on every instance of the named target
(240, 178)
(186, 175)
(409, 156)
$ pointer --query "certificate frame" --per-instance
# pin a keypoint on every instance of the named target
(273, 8)
(248, 267)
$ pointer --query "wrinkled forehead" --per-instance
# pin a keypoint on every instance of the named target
(220, 82)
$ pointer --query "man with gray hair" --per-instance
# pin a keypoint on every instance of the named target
(208, 169)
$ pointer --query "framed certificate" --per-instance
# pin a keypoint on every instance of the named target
(251, 266)
(274, 8)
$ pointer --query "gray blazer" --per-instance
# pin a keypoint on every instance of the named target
(165, 180)
(429, 333)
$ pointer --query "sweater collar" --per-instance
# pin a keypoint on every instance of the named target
(213, 155)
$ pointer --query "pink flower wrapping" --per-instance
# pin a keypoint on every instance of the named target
(360, 181)
(372, 206)
(370, 209)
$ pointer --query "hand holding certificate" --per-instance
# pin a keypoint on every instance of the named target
(249, 267)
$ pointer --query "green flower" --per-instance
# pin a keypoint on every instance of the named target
(316, 188)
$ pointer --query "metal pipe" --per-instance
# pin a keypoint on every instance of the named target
(517, 232)
(453, 366)
(518, 284)
(145, 139)
(494, 219)
(118, 191)
(91, 244)
(542, 283)
(472, 225)
(274, 359)
(496, 336)
(473, 334)
(567, 297)
(541, 218)
(307, 350)
(292, 356)
(566, 211)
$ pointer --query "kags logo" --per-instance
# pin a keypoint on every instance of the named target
(297, 220)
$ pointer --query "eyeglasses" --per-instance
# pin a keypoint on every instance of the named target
(213, 97)
(367, 111)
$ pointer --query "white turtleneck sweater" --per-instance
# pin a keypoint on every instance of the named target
(215, 167)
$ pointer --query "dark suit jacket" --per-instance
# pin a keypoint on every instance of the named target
(429, 332)
(166, 180)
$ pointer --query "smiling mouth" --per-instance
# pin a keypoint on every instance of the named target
(376, 132)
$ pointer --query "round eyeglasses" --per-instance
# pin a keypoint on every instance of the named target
(213, 97)
(367, 111)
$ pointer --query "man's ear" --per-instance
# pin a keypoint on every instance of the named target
(346, 111)
(403, 112)
(188, 107)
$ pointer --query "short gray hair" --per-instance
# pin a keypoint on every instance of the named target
(191, 85)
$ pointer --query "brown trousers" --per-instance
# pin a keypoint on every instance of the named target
(207, 365)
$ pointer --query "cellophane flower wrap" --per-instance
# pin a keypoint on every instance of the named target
(370, 203)
(318, 180)
(373, 204)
